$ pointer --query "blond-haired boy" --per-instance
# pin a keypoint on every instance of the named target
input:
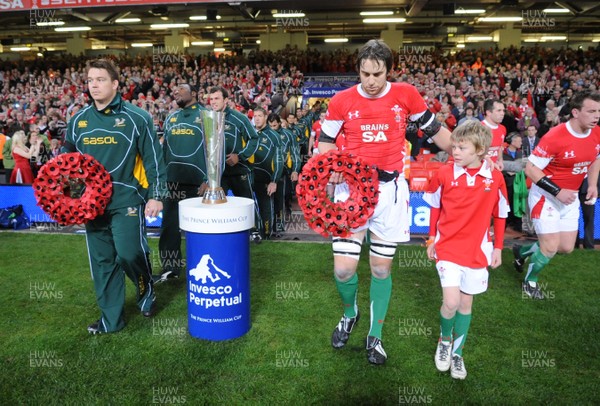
(463, 196)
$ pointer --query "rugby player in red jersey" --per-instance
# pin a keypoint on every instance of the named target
(557, 167)
(373, 116)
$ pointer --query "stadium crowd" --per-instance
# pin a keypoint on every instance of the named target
(535, 84)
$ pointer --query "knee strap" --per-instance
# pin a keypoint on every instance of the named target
(383, 249)
(349, 247)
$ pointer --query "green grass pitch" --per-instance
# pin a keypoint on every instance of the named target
(519, 351)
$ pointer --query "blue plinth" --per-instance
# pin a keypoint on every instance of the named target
(218, 267)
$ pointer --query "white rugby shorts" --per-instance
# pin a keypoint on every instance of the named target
(391, 219)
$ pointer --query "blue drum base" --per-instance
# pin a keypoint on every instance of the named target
(218, 285)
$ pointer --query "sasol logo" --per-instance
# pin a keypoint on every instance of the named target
(207, 272)
(182, 131)
(99, 140)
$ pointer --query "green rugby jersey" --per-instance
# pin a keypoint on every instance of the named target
(309, 119)
(302, 132)
(183, 146)
(268, 159)
(290, 150)
(240, 138)
(121, 137)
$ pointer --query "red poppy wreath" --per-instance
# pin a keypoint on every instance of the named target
(337, 219)
(73, 188)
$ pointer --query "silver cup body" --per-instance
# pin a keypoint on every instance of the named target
(213, 125)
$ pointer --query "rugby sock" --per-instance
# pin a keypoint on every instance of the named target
(528, 250)
(446, 327)
(461, 329)
(537, 262)
(348, 292)
(381, 291)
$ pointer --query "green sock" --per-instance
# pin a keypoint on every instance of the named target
(348, 292)
(528, 250)
(537, 262)
(461, 329)
(446, 327)
(381, 291)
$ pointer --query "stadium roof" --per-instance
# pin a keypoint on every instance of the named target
(239, 23)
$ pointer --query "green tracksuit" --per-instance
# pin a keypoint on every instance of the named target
(183, 152)
(291, 163)
(268, 167)
(309, 119)
(122, 138)
(302, 132)
(240, 138)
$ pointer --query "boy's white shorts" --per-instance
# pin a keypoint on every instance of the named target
(470, 280)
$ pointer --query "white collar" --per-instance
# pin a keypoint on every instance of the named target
(388, 86)
(483, 171)
(491, 125)
(575, 133)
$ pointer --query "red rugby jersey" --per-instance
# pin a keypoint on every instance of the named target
(498, 135)
(374, 127)
(564, 155)
(467, 203)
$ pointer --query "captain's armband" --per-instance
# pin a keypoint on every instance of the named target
(428, 124)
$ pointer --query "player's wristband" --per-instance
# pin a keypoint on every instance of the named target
(549, 186)
(429, 241)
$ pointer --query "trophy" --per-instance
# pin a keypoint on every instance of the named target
(214, 151)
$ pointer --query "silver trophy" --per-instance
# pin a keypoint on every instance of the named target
(214, 150)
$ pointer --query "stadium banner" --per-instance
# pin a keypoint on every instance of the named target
(22, 5)
(326, 85)
(419, 210)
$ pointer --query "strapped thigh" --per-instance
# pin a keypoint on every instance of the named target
(383, 249)
(348, 247)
